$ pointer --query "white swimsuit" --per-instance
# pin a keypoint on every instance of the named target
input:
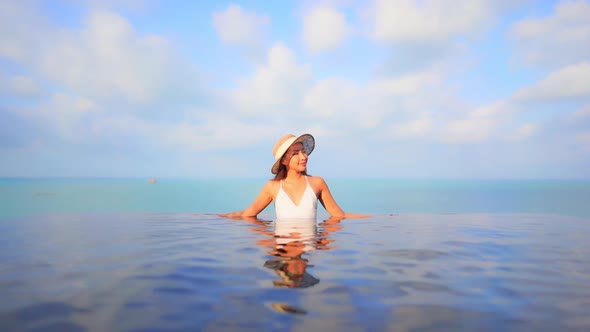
(286, 209)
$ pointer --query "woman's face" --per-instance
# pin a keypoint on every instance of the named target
(296, 158)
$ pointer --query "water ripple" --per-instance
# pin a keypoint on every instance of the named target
(185, 272)
(413, 254)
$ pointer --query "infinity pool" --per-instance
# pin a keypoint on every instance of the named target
(189, 272)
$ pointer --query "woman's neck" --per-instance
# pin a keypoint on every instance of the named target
(294, 175)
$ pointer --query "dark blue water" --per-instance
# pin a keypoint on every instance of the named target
(197, 272)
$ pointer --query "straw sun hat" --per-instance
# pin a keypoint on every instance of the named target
(285, 142)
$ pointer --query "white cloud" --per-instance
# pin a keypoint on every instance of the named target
(105, 60)
(20, 86)
(284, 90)
(583, 112)
(556, 40)
(478, 125)
(484, 123)
(332, 97)
(135, 5)
(324, 29)
(329, 3)
(237, 26)
(430, 33)
(23, 30)
(66, 116)
(351, 105)
(109, 60)
(411, 94)
(217, 132)
(66, 104)
(469, 130)
(583, 138)
(488, 121)
(276, 87)
(527, 130)
(419, 128)
(569, 82)
(498, 108)
(209, 132)
(406, 84)
(428, 21)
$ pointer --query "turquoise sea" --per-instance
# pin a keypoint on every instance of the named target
(25, 197)
(437, 255)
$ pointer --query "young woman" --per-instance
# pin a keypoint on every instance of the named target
(294, 192)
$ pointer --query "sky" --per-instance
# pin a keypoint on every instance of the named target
(474, 89)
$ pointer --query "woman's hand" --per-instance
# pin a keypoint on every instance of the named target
(356, 215)
(232, 215)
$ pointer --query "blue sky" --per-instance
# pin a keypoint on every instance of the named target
(396, 88)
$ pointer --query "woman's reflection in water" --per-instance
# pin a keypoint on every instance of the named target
(290, 240)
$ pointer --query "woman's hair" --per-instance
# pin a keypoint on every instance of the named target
(282, 171)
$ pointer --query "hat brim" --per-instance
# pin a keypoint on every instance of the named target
(308, 145)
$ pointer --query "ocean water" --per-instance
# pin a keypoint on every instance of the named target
(23, 197)
(126, 255)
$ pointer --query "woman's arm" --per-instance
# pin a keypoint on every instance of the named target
(330, 204)
(260, 203)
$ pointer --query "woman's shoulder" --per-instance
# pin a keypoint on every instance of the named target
(272, 185)
(316, 181)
